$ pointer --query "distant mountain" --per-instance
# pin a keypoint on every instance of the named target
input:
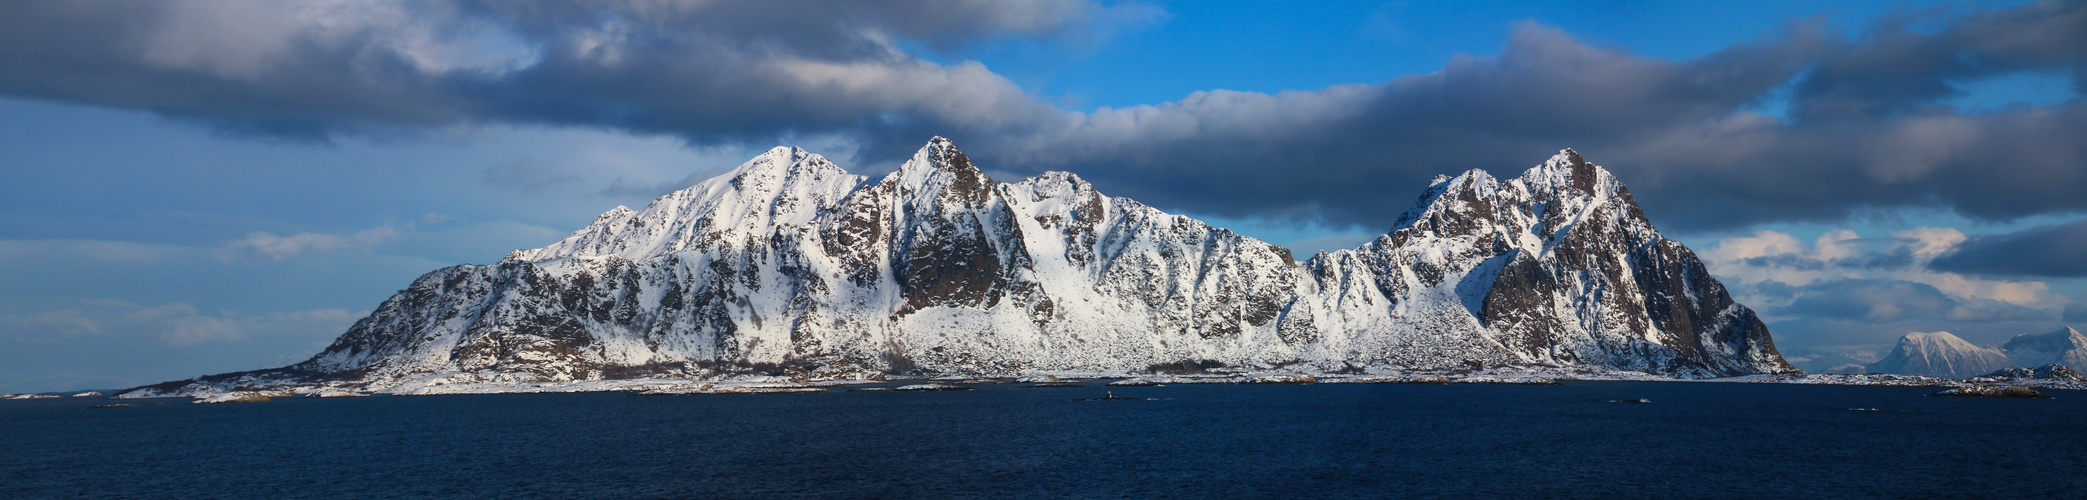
(2046, 372)
(1940, 354)
(791, 265)
(2066, 347)
(1844, 362)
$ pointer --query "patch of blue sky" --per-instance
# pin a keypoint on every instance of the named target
(1246, 46)
(2014, 90)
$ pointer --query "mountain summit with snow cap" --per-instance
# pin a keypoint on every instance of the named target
(790, 265)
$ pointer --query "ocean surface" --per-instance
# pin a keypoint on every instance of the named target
(1693, 440)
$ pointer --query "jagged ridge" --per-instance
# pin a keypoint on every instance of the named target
(790, 264)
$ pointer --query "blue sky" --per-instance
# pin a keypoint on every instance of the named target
(200, 187)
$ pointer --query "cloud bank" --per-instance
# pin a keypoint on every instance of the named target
(2057, 250)
(172, 324)
(1849, 290)
(267, 245)
(1863, 126)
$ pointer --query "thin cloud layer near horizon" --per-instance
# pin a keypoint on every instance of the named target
(208, 186)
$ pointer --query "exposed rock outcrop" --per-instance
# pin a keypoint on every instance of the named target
(1994, 391)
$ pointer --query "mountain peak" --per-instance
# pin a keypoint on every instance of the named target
(1569, 169)
(789, 262)
(1940, 354)
(784, 161)
(784, 186)
(1567, 185)
(2064, 346)
(940, 167)
(940, 154)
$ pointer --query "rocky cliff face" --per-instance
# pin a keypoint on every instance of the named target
(789, 264)
(1557, 266)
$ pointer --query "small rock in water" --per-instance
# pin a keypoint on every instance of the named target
(1638, 400)
(1410, 379)
(125, 405)
(1135, 382)
(1989, 391)
(1111, 397)
(1282, 379)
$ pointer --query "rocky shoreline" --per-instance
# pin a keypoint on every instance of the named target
(763, 384)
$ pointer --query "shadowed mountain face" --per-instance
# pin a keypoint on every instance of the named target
(789, 264)
(2065, 346)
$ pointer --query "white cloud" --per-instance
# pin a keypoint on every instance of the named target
(63, 322)
(174, 323)
(244, 39)
(117, 252)
(261, 244)
(432, 218)
(198, 329)
(1760, 244)
(1930, 242)
(1764, 268)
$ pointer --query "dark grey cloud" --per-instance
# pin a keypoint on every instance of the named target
(1677, 132)
(2076, 312)
(709, 71)
(1358, 153)
(1889, 301)
(2057, 250)
(1866, 126)
(1900, 69)
(1880, 253)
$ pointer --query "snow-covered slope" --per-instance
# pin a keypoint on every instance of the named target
(2066, 347)
(1940, 354)
(790, 265)
(1556, 266)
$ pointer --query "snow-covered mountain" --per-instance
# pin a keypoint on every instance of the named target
(2066, 347)
(2051, 371)
(1840, 362)
(1940, 354)
(789, 264)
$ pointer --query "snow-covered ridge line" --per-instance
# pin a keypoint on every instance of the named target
(790, 266)
(1941, 354)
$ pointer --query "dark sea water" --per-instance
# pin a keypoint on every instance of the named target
(1694, 440)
